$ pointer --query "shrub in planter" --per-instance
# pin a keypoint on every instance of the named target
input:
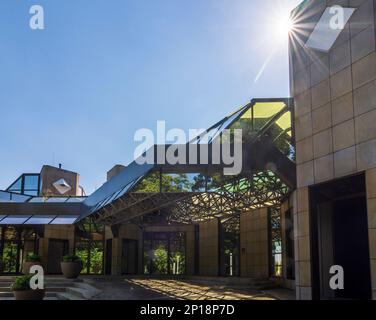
(31, 260)
(22, 291)
(71, 266)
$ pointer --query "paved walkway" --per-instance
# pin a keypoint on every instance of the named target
(172, 289)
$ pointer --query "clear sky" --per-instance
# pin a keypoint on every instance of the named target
(76, 92)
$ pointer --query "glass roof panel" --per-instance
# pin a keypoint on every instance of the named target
(12, 197)
(14, 219)
(40, 220)
(324, 35)
(263, 112)
(37, 200)
(284, 122)
(17, 185)
(57, 199)
(76, 199)
(31, 182)
(227, 123)
(267, 109)
(64, 220)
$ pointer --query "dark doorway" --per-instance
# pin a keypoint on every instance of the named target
(108, 266)
(351, 249)
(339, 228)
(57, 249)
(289, 245)
(129, 263)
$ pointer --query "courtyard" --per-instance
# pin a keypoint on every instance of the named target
(158, 288)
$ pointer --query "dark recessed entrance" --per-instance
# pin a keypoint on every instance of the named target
(57, 249)
(339, 229)
(129, 263)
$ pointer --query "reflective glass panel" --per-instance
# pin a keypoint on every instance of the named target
(324, 35)
(65, 220)
(17, 185)
(14, 220)
(40, 220)
(31, 182)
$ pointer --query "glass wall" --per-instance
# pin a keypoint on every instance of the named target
(164, 253)
(89, 246)
(275, 242)
(28, 184)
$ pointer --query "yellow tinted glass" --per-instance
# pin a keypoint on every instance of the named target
(284, 122)
(267, 109)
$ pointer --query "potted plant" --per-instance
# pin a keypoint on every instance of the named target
(31, 260)
(22, 291)
(71, 266)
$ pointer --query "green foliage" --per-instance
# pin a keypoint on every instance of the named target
(82, 253)
(91, 255)
(160, 261)
(170, 183)
(32, 257)
(21, 283)
(71, 258)
(96, 260)
(9, 258)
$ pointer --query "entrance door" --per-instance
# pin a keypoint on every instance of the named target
(339, 229)
(351, 249)
(129, 264)
(57, 249)
(108, 256)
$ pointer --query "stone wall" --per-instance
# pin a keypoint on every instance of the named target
(335, 115)
(209, 248)
(49, 175)
(254, 244)
(335, 99)
(58, 232)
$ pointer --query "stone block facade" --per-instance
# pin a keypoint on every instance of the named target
(335, 110)
(254, 259)
(209, 248)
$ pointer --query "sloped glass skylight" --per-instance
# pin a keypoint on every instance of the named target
(328, 29)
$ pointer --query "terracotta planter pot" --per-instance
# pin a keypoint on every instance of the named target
(27, 265)
(71, 270)
(29, 294)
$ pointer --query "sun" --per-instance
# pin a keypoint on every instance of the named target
(283, 26)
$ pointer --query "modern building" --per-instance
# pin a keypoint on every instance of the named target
(304, 201)
(165, 219)
(334, 90)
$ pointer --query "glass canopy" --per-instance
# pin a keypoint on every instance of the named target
(266, 125)
(37, 220)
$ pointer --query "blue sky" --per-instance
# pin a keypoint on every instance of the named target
(76, 92)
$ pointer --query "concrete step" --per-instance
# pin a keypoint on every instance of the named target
(67, 296)
(49, 288)
(78, 292)
(10, 294)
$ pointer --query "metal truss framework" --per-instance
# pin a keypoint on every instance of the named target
(262, 189)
